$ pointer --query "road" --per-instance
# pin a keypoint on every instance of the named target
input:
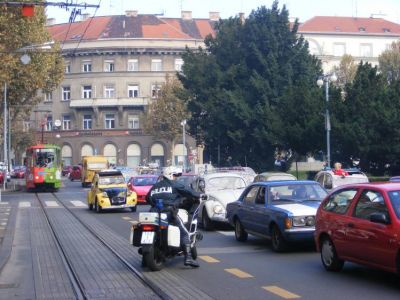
(228, 269)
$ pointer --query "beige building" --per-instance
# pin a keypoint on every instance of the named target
(114, 67)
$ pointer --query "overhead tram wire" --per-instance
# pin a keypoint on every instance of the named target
(71, 20)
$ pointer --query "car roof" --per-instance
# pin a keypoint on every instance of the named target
(222, 174)
(382, 185)
(109, 173)
(145, 176)
(285, 182)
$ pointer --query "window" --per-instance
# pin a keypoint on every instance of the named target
(178, 64)
(49, 123)
(155, 90)
(370, 202)
(133, 65)
(110, 121)
(156, 65)
(109, 91)
(109, 66)
(66, 123)
(251, 195)
(365, 50)
(133, 121)
(133, 91)
(340, 201)
(394, 197)
(48, 97)
(87, 121)
(66, 93)
(87, 92)
(339, 49)
(67, 66)
(86, 66)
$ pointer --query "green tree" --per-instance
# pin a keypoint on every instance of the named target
(166, 112)
(45, 70)
(253, 89)
(389, 62)
(346, 71)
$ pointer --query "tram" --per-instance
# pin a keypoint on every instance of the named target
(43, 167)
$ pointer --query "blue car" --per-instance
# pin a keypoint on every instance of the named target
(283, 211)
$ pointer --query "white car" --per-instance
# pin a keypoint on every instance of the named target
(330, 181)
(221, 188)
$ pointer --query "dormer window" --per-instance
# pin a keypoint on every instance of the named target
(337, 28)
(361, 29)
(386, 30)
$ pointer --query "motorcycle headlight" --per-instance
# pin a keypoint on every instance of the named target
(304, 221)
(218, 209)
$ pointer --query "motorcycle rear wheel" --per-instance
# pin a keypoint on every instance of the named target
(193, 251)
(153, 259)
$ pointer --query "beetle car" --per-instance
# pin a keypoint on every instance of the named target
(360, 223)
(141, 185)
(109, 191)
(272, 176)
(329, 180)
(221, 189)
(283, 211)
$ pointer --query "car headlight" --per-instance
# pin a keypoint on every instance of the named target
(304, 221)
(218, 209)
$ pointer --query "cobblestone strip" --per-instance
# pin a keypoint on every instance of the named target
(101, 273)
(51, 278)
(173, 285)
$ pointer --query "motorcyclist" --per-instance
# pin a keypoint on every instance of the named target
(175, 195)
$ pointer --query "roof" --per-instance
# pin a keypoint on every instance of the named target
(384, 185)
(285, 182)
(109, 173)
(133, 27)
(361, 26)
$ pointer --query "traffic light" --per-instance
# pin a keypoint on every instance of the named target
(28, 10)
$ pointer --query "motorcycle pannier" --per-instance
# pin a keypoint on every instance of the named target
(137, 237)
(174, 236)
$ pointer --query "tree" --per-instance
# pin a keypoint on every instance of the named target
(389, 62)
(346, 71)
(166, 112)
(253, 89)
(45, 70)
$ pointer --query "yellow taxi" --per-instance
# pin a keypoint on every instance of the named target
(109, 191)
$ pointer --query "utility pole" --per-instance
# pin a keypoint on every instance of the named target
(5, 132)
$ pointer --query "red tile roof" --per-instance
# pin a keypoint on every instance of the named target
(350, 25)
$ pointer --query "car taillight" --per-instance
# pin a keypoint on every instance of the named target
(147, 227)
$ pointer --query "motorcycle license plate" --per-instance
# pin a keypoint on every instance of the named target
(147, 237)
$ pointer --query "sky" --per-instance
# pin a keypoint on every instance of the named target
(301, 9)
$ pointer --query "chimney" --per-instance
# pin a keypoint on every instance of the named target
(131, 13)
(85, 16)
(50, 21)
(242, 18)
(186, 15)
(214, 16)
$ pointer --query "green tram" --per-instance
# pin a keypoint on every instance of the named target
(43, 167)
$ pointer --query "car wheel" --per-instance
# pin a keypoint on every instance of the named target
(206, 221)
(277, 241)
(97, 207)
(329, 257)
(240, 234)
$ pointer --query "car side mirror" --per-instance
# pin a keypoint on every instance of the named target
(379, 218)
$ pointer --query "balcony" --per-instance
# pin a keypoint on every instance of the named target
(109, 102)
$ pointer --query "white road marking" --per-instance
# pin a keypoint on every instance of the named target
(24, 204)
(3, 224)
(3, 203)
(227, 233)
(51, 203)
(78, 203)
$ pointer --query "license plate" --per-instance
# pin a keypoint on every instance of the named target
(147, 237)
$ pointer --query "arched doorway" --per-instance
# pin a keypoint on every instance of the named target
(87, 150)
(66, 155)
(157, 154)
(110, 151)
(133, 155)
(180, 154)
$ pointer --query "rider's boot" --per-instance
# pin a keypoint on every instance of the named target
(189, 261)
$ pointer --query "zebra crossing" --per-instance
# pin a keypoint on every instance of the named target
(75, 203)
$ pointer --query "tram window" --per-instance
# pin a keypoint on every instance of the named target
(45, 158)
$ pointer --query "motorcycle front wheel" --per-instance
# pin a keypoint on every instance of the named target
(153, 259)
(193, 251)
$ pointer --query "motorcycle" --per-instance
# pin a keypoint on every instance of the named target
(158, 240)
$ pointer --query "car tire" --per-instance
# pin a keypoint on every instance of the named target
(277, 240)
(206, 222)
(133, 209)
(329, 257)
(97, 207)
(240, 234)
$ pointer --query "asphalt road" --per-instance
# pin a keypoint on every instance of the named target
(251, 270)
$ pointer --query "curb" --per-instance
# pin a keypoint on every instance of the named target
(6, 245)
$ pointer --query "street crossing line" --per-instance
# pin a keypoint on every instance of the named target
(127, 218)
(78, 203)
(51, 203)
(3, 203)
(209, 259)
(24, 204)
(280, 292)
(239, 273)
(227, 233)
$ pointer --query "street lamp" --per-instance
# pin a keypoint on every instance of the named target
(183, 123)
(327, 78)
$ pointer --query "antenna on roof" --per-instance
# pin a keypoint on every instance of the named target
(181, 4)
(373, 16)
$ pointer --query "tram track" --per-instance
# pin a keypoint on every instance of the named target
(77, 282)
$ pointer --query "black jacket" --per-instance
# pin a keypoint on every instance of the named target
(173, 194)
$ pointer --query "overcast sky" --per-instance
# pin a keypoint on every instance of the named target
(302, 9)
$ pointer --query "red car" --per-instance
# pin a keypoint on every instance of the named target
(66, 170)
(360, 223)
(76, 173)
(141, 186)
(18, 172)
(2, 174)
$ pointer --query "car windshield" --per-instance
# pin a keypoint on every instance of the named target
(395, 200)
(111, 180)
(144, 181)
(297, 192)
(225, 183)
